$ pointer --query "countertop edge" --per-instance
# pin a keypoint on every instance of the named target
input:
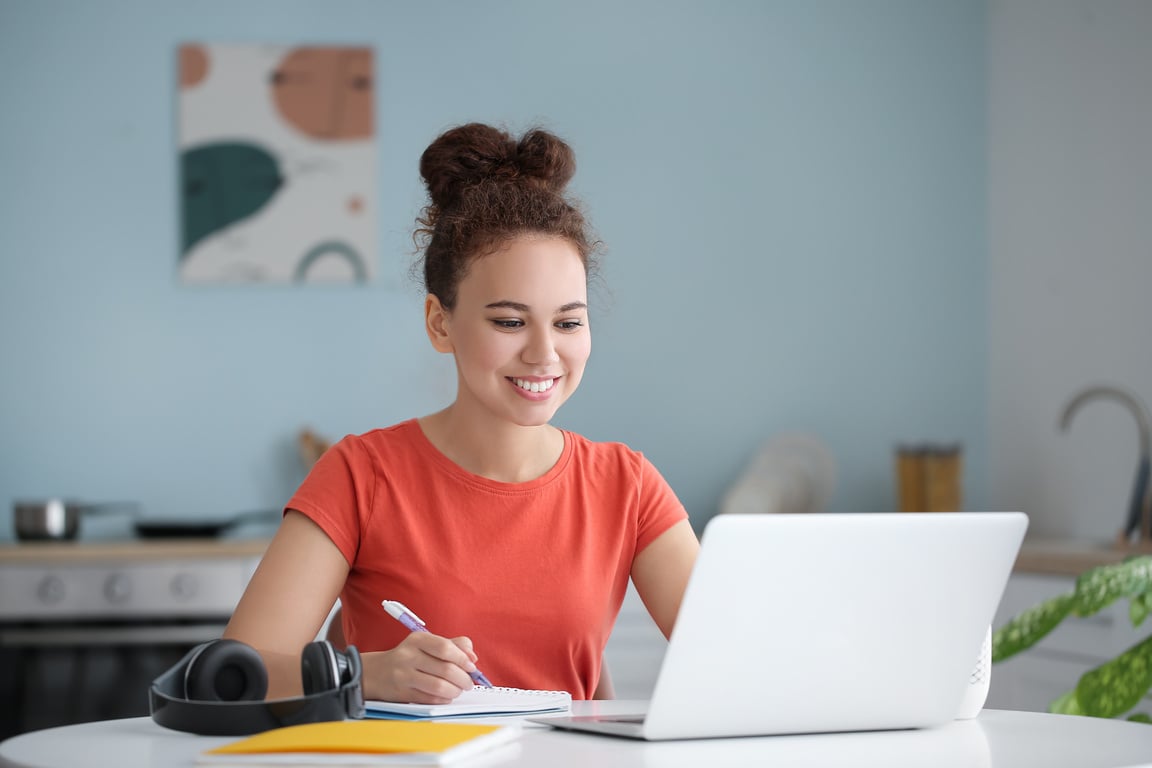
(1062, 557)
(55, 552)
(1053, 556)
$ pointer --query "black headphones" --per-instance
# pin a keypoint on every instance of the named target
(218, 689)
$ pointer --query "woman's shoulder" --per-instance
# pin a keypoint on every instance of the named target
(406, 430)
(617, 470)
(607, 453)
(381, 441)
(603, 446)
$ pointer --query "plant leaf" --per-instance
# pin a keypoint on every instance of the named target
(1117, 686)
(1029, 626)
(1141, 717)
(1139, 608)
(1101, 586)
(1066, 705)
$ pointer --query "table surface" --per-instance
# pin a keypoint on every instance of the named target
(997, 738)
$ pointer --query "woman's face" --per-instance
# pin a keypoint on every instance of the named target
(519, 330)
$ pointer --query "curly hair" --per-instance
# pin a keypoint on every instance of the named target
(485, 188)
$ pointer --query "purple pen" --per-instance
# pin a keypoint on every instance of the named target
(414, 623)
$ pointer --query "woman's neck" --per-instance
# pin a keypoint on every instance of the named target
(494, 449)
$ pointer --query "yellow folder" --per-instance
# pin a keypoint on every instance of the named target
(374, 740)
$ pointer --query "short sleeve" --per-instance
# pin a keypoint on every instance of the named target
(337, 493)
(660, 509)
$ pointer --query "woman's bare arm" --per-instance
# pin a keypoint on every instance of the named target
(290, 595)
(288, 599)
(661, 572)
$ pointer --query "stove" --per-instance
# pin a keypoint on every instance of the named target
(86, 626)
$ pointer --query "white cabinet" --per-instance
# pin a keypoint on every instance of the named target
(635, 649)
(1032, 679)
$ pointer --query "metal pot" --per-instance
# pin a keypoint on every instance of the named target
(54, 519)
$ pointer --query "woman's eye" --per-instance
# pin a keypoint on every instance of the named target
(569, 325)
(508, 324)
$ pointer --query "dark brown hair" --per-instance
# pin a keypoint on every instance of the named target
(485, 188)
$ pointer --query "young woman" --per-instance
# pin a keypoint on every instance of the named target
(512, 539)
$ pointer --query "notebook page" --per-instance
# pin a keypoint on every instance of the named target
(479, 701)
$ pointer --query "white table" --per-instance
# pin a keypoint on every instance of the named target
(996, 739)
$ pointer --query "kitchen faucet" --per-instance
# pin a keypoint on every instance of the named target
(1139, 519)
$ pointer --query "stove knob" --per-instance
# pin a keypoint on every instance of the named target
(183, 586)
(50, 589)
(117, 588)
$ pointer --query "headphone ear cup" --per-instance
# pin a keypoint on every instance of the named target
(226, 670)
(322, 668)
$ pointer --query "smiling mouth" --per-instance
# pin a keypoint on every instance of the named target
(534, 386)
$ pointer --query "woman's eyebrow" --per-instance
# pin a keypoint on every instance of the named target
(521, 307)
(572, 305)
(507, 304)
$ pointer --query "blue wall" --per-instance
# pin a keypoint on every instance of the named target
(792, 194)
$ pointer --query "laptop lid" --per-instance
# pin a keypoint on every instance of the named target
(830, 622)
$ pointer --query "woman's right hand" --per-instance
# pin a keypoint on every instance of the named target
(423, 669)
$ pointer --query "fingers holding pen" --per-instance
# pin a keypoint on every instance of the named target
(449, 654)
(424, 668)
(478, 677)
(444, 665)
(465, 644)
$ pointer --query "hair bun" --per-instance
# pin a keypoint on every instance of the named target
(473, 154)
(547, 159)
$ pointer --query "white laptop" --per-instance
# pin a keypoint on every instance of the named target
(807, 623)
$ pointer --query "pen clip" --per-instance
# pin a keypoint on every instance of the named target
(398, 609)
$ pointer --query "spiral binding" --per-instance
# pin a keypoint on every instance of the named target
(520, 691)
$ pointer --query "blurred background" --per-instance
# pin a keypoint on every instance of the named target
(874, 223)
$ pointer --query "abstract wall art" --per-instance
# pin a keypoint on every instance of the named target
(277, 164)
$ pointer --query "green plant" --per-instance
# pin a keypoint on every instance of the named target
(1116, 686)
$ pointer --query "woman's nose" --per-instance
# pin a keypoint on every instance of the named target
(541, 349)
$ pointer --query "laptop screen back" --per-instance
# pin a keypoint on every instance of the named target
(832, 622)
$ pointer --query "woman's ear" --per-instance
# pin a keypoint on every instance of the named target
(436, 324)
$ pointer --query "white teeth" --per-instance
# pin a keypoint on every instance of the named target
(535, 386)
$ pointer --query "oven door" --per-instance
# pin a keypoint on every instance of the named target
(64, 673)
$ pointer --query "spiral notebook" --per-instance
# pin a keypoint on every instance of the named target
(477, 702)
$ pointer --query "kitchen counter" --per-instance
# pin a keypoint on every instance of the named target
(1069, 558)
(80, 551)
(1052, 556)
(1056, 556)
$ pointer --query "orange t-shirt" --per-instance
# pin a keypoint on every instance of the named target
(534, 573)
